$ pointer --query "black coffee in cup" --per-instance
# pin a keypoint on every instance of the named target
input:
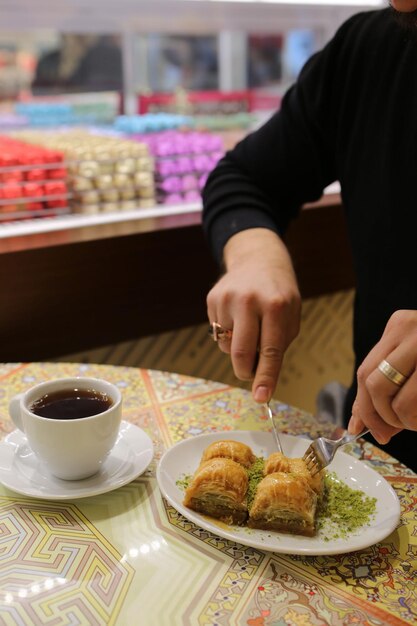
(71, 404)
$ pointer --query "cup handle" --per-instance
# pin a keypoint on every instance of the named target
(14, 411)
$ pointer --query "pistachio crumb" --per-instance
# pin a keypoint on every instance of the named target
(255, 475)
(183, 481)
(343, 510)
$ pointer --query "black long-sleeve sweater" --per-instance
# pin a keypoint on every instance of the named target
(352, 117)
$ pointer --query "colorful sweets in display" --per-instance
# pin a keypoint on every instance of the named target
(105, 173)
(33, 180)
(99, 170)
(183, 160)
(152, 122)
(79, 109)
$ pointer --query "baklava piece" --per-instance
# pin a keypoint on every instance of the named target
(229, 449)
(284, 502)
(277, 462)
(218, 488)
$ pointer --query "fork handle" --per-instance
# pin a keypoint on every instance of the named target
(348, 438)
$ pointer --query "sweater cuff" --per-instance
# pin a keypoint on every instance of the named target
(232, 222)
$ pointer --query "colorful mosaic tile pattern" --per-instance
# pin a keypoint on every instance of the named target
(127, 557)
(57, 561)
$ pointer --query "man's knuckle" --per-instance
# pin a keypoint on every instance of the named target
(240, 354)
(412, 346)
(247, 300)
(210, 299)
(362, 375)
(272, 353)
(402, 320)
(406, 414)
(276, 305)
(355, 409)
(400, 407)
(372, 384)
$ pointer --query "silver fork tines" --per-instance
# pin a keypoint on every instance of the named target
(312, 461)
(322, 450)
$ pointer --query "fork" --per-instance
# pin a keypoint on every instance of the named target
(274, 428)
(322, 450)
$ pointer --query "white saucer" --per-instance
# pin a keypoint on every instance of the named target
(21, 471)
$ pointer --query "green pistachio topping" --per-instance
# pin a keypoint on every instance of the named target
(343, 510)
(255, 475)
(183, 481)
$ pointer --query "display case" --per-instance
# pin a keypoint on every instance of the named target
(77, 280)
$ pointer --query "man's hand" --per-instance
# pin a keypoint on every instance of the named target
(257, 298)
(381, 405)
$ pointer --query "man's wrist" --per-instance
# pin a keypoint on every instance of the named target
(249, 242)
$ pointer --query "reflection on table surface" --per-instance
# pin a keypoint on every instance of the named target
(126, 557)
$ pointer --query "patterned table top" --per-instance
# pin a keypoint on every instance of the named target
(128, 558)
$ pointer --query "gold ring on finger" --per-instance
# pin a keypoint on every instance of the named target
(219, 333)
(392, 373)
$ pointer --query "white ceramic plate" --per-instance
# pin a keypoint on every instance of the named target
(183, 459)
(21, 471)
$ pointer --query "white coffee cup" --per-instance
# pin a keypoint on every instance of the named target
(71, 449)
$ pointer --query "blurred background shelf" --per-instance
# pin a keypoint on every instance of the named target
(112, 266)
